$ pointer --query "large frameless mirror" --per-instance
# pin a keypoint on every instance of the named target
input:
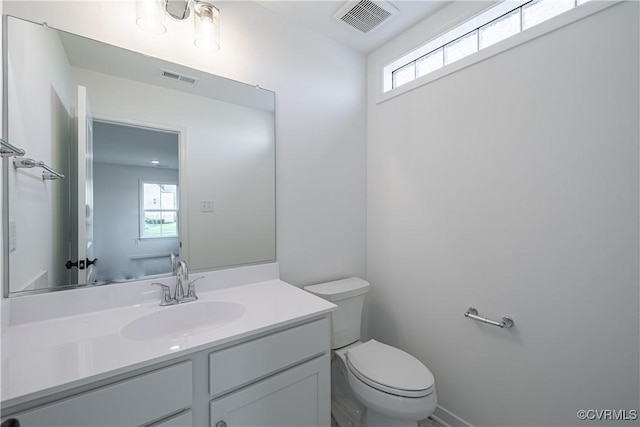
(158, 159)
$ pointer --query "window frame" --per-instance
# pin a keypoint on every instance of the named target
(581, 9)
(142, 210)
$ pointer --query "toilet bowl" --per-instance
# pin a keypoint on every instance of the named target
(373, 384)
(396, 388)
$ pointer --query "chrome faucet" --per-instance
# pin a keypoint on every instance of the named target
(182, 277)
(173, 259)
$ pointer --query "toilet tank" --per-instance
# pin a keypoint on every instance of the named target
(348, 295)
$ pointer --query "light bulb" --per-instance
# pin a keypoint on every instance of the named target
(206, 26)
(150, 16)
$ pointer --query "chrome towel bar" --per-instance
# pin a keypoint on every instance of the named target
(472, 313)
(47, 173)
(8, 150)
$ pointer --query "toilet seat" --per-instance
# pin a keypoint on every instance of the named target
(389, 369)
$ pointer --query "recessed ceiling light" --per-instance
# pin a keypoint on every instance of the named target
(155, 162)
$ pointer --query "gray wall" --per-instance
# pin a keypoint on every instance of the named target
(512, 186)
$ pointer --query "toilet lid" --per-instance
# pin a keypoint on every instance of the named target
(390, 369)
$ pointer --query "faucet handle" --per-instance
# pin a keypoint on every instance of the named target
(195, 280)
(191, 290)
(165, 298)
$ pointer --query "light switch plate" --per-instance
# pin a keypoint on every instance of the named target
(206, 205)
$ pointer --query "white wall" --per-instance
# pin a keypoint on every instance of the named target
(320, 113)
(512, 186)
(35, 204)
(116, 199)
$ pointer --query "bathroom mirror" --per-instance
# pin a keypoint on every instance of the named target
(157, 159)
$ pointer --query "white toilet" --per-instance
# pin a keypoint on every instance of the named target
(372, 384)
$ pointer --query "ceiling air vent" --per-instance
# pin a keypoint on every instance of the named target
(177, 76)
(365, 15)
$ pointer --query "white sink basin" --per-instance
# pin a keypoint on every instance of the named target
(182, 320)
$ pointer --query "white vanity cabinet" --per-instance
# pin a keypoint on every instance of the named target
(273, 378)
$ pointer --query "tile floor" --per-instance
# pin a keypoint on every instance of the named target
(429, 422)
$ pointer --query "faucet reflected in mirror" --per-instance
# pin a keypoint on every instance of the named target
(182, 278)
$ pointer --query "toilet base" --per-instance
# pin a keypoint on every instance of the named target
(345, 408)
(376, 419)
(345, 418)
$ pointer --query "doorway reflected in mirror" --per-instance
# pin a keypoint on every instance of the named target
(136, 201)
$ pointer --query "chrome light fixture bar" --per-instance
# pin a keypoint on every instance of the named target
(151, 16)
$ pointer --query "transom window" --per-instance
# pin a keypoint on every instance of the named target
(492, 26)
(158, 210)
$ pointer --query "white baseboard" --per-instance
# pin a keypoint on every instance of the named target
(448, 418)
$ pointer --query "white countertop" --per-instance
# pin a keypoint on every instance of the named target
(48, 356)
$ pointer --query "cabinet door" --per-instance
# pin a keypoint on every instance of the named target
(296, 397)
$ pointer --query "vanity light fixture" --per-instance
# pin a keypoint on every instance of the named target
(150, 16)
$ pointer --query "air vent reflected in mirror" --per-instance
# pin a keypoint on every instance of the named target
(177, 76)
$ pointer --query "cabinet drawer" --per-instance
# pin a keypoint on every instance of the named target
(245, 363)
(128, 403)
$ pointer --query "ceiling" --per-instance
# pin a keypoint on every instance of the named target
(134, 146)
(318, 15)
